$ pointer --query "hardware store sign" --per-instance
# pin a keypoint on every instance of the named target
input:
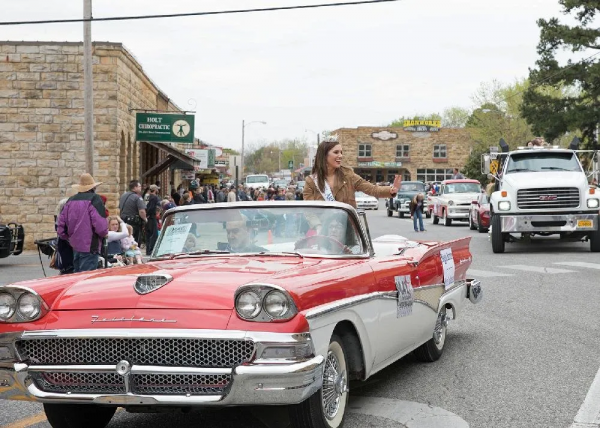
(164, 127)
(422, 125)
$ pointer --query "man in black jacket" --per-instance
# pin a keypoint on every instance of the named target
(152, 224)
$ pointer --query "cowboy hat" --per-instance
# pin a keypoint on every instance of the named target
(86, 182)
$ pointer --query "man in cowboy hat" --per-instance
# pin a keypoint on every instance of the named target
(83, 223)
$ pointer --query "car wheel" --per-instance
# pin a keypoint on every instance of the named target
(432, 349)
(447, 221)
(428, 214)
(327, 407)
(595, 241)
(78, 415)
(471, 225)
(434, 219)
(480, 227)
(400, 215)
(497, 235)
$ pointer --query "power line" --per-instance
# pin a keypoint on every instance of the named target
(179, 15)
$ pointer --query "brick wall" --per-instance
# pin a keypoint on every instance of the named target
(42, 127)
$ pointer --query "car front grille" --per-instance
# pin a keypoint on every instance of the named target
(145, 384)
(169, 352)
(548, 198)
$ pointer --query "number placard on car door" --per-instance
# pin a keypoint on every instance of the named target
(448, 265)
(405, 296)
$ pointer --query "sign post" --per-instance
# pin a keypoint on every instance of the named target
(164, 127)
(291, 164)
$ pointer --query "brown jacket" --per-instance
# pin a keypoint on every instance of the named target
(344, 190)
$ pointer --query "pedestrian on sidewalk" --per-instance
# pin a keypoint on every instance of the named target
(416, 211)
(133, 209)
(152, 223)
(83, 223)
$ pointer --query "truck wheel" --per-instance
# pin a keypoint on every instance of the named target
(447, 221)
(78, 415)
(497, 235)
(327, 407)
(595, 241)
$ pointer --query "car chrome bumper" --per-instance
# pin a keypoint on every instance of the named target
(458, 214)
(263, 382)
(549, 223)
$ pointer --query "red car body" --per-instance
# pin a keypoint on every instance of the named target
(479, 214)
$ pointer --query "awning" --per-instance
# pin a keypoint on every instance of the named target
(174, 156)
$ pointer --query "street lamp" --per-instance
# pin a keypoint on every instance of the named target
(311, 149)
(244, 124)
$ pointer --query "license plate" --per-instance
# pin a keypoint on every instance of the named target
(584, 223)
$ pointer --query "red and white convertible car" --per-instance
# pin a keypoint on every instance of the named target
(241, 304)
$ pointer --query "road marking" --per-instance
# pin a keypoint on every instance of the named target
(411, 414)
(588, 415)
(580, 264)
(538, 269)
(27, 422)
(486, 273)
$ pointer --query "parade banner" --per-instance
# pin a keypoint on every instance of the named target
(164, 127)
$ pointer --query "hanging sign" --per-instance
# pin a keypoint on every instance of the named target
(164, 127)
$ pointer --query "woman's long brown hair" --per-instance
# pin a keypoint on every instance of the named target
(320, 167)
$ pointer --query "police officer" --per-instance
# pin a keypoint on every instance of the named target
(133, 209)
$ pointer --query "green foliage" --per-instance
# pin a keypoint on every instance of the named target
(455, 117)
(566, 98)
(268, 157)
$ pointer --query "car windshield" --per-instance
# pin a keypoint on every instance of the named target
(261, 230)
(257, 179)
(538, 162)
(462, 188)
(412, 187)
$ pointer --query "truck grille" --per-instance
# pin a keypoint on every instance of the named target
(143, 384)
(205, 353)
(548, 198)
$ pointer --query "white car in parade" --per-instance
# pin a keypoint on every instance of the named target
(454, 200)
(366, 202)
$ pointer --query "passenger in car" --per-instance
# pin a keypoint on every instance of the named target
(239, 237)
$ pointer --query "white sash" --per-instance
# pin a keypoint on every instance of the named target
(327, 194)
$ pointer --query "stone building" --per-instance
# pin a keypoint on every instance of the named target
(377, 154)
(42, 129)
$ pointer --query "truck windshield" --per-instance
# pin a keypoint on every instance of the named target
(537, 162)
(257, 179)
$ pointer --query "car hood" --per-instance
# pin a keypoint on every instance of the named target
(365, 199)
(207, 283)
(532, 180)
(462, 197)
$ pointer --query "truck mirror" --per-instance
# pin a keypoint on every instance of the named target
(486, 164)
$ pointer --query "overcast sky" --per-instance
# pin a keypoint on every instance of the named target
(315, 70)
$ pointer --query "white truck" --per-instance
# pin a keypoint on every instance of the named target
(542, 191)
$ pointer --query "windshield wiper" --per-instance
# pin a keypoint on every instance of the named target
(172, 256)
(520, 170)
(556, 168)
(282, 253)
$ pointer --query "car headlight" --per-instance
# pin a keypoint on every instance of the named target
(503, 205)
(264, 303)
(29, 306)
(248, 304)
(8, 306)
(450, 203)
(593, 203)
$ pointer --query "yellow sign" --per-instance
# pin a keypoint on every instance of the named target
(494, 166)
(434, 123)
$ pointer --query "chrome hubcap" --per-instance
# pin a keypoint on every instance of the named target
(334, 386)
(439, 332)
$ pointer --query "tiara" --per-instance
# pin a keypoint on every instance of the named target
(331, 138)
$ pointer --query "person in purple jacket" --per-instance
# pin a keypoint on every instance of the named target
(83, 223)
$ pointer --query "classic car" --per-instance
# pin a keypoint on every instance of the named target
(366, 202)
(226, 314)
(401, 202)
(479, 214)
(453, 201)
(12, 238)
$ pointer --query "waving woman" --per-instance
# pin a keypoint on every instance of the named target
(330, 181)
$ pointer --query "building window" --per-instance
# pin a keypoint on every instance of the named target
(439, 151)
(402, 151)
(364, 151)
(391, 175)
(429, 175)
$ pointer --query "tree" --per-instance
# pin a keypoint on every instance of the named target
(267, 158)
(455, 117)
(566, 98)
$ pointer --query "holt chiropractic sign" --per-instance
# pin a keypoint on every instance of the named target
(164, 127)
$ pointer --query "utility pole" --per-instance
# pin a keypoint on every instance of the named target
(88, 91)
(243, 131)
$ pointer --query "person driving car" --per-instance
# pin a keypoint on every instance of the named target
(239, 238)
(335, 229)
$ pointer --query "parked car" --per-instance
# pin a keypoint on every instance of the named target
(223, 316)
(479, 214)
(280, 183)
(12, 238)
(453, 201)
(401, 202)
(366, 202)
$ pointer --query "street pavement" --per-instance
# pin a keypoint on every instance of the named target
(524, 357)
